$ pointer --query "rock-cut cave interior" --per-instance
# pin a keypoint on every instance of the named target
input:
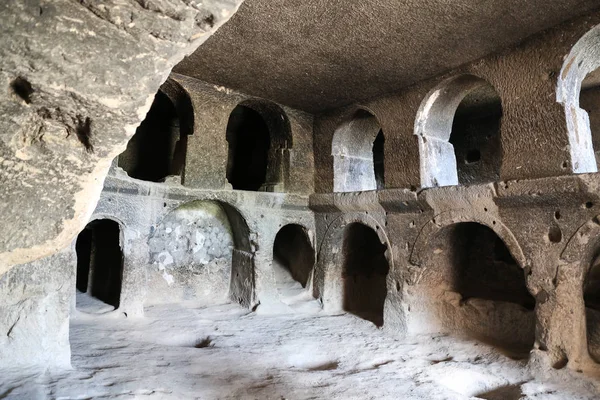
(229, 199)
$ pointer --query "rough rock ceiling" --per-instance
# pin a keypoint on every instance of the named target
(321, 54)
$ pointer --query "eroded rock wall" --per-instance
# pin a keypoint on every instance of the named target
(533, 128)
(35, 304)
(79, 77)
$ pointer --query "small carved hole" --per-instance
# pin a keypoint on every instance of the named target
(473, 156)
(22, 88)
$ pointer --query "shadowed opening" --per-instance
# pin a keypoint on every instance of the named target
(458, 128)
(476, 136)
(358, 154)
(591, 298)
(484, 267)
(249, 144)
(158, 148)
(293, 257)
(364, 273)
(100, 262)
(472, 285)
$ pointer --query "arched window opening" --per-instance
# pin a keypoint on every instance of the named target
(293, 259)
(577, 91)
(99, 266)
(591, 297)
(364, 273)
(589, 101)
(378, 166)
(249, 144)
(260, 139)
(158, 148)
(473, 287)
(358, 154)
(458, 126)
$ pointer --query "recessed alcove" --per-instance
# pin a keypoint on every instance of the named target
(591, 297)
(358, 154)
(458, 126)
(158, 147)
(364, 273)
(293, 259)
(589, 101)
(259, 139)
(472, 286)
(99, 266)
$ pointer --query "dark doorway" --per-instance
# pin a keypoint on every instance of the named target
(378, 146)
(484, 268)
(473, 286)
(249, 143)
(293, 252)
(158, 147)
(591, 298)
(365, 269)
(476, 136)
(100, 261)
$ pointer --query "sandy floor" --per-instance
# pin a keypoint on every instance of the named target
(224, 352)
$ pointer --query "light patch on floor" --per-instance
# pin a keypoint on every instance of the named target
(226, 352)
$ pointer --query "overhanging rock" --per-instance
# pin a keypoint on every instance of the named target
(79, 77)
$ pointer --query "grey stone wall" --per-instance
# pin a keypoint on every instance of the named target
(191, 255)
(78, 77)
(206, 164)
(534, 133)
(35, 304)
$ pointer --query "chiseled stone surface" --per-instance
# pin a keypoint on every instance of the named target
(34, 312)
(79, 77)
(191, 252)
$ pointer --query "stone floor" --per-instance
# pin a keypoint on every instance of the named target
(225, 352)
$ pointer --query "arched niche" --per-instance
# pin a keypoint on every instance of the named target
(364, 272)
(259, 138)
(577, 90)
(158, 149)
(458, 130)
(100, 262)
(358, 154)
(293, 259)
(582, 256)
(200, 252)
(470, 283)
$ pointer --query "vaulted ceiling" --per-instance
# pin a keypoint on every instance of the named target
(320, 54)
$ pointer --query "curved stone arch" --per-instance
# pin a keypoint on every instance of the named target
(182, 102)
(122, 226)
(276, 118)
(328, 278)
(171, 98)
(582, 242)
(340, 223)
(352, 151)
(280, 140)
(180, 98)
(441, 221)
(126, 266)
(583, 58)
(242, 283)
(307, 231)
(309, 236)
(433, 127)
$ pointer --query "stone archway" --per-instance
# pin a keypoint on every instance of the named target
(458, 128)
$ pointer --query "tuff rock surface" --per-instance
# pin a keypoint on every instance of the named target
(79, 76)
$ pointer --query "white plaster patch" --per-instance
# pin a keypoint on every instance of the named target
(168, 277)
(165, 258)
